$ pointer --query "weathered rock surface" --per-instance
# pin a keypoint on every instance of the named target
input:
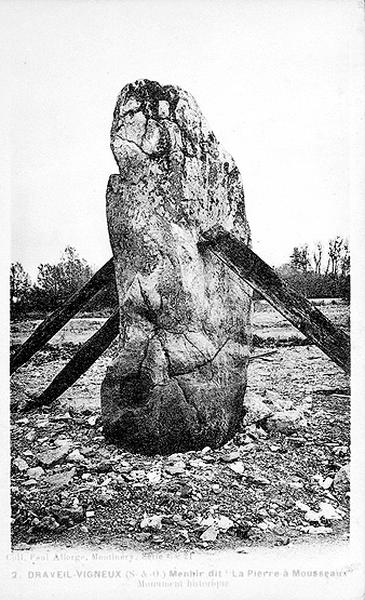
(180, 375)
(286, 421)
(51, 457)
(256, 409)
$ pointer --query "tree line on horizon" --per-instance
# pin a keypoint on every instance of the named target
(54, 284)
(323, 272)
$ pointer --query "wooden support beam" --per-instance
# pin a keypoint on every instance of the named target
(79, 363)
(237, 256)
(293, 306)
(55, 321)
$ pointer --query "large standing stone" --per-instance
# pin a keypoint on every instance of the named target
(179, 379)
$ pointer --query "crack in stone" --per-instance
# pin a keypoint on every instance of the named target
(192, 344)
(190, 402)
(151, 312)
(197, 366)
(207, 361)
(169, 365)
(145, 354)
(134, 144)
(183, 159)
(185, 135)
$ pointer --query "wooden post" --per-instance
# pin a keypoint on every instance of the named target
(78, 365)
(55, 321)
(293, 306)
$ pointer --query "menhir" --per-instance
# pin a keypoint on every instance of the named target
(180, 374)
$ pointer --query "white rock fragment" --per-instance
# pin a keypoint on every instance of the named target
(50, 457)
(178, 468)
(30, 437)
(208, 521)
(197, 463)
(154, 476)
(248, 447)
(20, 464)
(59, 480)
(312, 516)
(62, 442)
(328, 512)
(152, 522)
(237, 467)
(76, 456)
(174, 457)
(65, 417)
(301, 506)
(326, 483)
(231, 457)
(256, 409)
(35, 472)
(261, 432)
(210, 534)
(286, 422)
(224, 523)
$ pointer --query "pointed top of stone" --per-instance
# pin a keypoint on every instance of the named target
(163, 122)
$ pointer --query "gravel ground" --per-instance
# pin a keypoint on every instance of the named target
(269, 486)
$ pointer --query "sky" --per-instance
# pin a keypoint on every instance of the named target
(273, 78)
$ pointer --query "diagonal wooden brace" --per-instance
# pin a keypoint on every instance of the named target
(55, 321)
(293, 306)
(79, 363)
(238, 257)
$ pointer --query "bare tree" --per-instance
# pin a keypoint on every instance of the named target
(19, 285)
(317, 258)
(334, 254)
(345, 259)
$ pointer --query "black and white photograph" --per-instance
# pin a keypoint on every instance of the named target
(183, 287)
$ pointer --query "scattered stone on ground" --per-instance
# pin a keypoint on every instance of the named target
(20, 464)
(52, 456)
(256, 409)
(286, 422)
(59, 480)
(105, 499)
(35, 472)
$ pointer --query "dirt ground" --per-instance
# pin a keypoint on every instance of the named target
(264, 488)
